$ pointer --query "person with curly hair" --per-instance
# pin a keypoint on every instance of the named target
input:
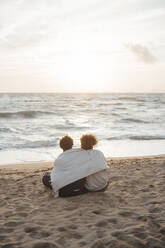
(72, 189)
(98, 181)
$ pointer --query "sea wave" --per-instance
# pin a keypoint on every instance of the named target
(133, 99)
(148, 137)
(71, 127)
(25, 114)
(137, 137)
(55, 142)
(127, 120)
(5, 130)
(33, 144)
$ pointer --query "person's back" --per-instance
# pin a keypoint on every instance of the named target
(71, 189)
(77, 187)
(98, 181)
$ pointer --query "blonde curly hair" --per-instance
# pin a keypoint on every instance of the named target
(88, 141)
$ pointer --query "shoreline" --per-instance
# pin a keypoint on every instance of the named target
(45, 163)
(114, 149)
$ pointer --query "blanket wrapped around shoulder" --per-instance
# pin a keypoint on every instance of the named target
(75, 164)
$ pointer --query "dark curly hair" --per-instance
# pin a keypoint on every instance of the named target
(88, 141)
(66, 143)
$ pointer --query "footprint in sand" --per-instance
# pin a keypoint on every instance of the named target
(61, 229)
(23, 208)
(2, 230)
(76, 235)
(142, 218)
(38, 235)
(113, 243)
(9, 245)
(70, 208)
(119, 235)
(98, 244)
(3, 238)
(69, 228)
(22, 214)
(96, 212)
(30, 229)
(129, 239)
(12, 223)
(162, 230)
(9, 214)
(155, 210)
(61, 241)
(125, 213)
(35, 232)
(138, 232)
(2, 203)
(9, 230)
(100, 234)
(43, 245)
(113, 220)
(35, 211)
(154, 202)
(83, 243)
(102, 223)
(154, 243)
(141, 235)
(73, 227)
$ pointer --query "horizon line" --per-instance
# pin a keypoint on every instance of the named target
(59, 92)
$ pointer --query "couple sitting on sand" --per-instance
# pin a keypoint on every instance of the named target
(78, 170)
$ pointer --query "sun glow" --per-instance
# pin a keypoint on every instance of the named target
(84, 72)
(82, 65)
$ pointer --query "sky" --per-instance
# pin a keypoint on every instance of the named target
(82, 46)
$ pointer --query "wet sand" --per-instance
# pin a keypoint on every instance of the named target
(130, 214)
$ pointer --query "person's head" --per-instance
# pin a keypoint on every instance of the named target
(88, 141)
(66, 143)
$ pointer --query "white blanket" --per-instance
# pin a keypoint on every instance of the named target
(75, 164)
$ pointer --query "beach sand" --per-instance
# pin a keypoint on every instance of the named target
(130, 214)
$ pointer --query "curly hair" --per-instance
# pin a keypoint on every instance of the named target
(88, 141)
(66, 143)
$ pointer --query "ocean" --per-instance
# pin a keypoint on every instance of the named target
(125, 124)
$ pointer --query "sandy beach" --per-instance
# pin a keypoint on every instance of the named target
(130, 214)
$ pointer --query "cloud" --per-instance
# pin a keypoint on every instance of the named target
(142, 53)
(24, 23)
